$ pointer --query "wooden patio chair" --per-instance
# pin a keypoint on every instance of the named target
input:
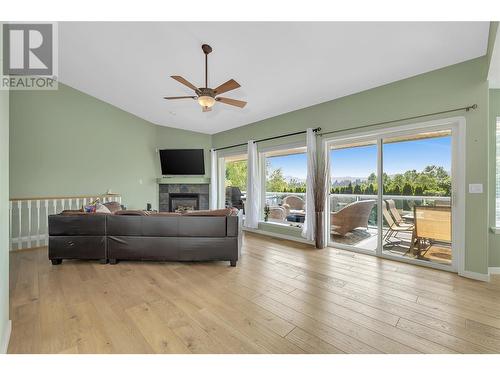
(396, 215)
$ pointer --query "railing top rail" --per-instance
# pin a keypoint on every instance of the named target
(66, 197)
(368, 195)
(387, 196)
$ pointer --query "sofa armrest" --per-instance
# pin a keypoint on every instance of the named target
(232, 226)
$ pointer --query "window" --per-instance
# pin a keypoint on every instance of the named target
(497, 190)
(235, 180)
(285, 186)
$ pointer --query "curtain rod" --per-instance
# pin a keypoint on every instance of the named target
(467, 109)
(267, 139)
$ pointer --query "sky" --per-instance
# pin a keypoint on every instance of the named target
(361, 161)
(292, 165)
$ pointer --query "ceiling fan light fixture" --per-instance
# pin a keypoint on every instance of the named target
(206, 101)
(207, 96)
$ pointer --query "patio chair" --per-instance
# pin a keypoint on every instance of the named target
(295, 203)
(277, 213)
(395, 214)
(394, 228)
(350, 217)
(233, 197)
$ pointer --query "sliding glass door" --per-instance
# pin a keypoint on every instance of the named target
(353, 195)
(391, 194)
(416, 200)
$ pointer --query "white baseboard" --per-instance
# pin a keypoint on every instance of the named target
(278, 235)
(475, 275)
(4, 344)
(494, 270)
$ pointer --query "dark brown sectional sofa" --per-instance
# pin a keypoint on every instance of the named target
(150, 237)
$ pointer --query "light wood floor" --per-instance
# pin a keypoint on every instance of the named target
(283, 297)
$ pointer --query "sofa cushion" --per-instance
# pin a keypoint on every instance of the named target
(165, 214)
(79, 224)
(207, 226)
(220, 212)
(80, 213)
(153, 226)
(77, 247)
(133, 213)
(113, 206)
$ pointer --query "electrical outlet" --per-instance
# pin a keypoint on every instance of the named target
(475, 188)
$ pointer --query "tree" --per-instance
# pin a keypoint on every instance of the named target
(432, 180)
(407, 189)
(236, 174)
(348, 189)
(372, 178)
(369, 190)
(276, 181)
(410, 176)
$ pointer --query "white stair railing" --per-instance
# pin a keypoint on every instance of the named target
(29, 216)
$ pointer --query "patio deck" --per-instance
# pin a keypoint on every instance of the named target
(367, 239)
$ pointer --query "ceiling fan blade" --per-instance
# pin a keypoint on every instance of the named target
(179, 97)
(206, 109)
(227, 86)
(237, 103)
(185, 82)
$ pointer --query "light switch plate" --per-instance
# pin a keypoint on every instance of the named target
(475, 188)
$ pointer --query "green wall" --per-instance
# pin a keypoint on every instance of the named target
(4, 211)
(494, 105)
(65, 143)
(454, 86)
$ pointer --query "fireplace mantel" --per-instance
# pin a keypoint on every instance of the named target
(188, 180)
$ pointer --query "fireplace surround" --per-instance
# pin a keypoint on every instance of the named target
(173, 195)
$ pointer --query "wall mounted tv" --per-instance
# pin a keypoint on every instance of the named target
(182, 162)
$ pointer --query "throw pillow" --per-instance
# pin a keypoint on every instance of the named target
(113, 206)
(102, 209)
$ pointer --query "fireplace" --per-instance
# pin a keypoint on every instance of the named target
(183, 202)
(171, 196)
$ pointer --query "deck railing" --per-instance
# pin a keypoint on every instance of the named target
(403, 202)
(29, 216)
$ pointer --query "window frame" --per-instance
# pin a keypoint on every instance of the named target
(497, 176)
(262, 163)
(221, 171)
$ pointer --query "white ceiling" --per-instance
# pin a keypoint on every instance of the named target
(280, 66)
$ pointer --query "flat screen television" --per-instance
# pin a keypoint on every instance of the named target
(182, 162)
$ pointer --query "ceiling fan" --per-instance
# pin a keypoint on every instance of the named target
(206, 96)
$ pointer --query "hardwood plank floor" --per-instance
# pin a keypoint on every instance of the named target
(283, 297)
